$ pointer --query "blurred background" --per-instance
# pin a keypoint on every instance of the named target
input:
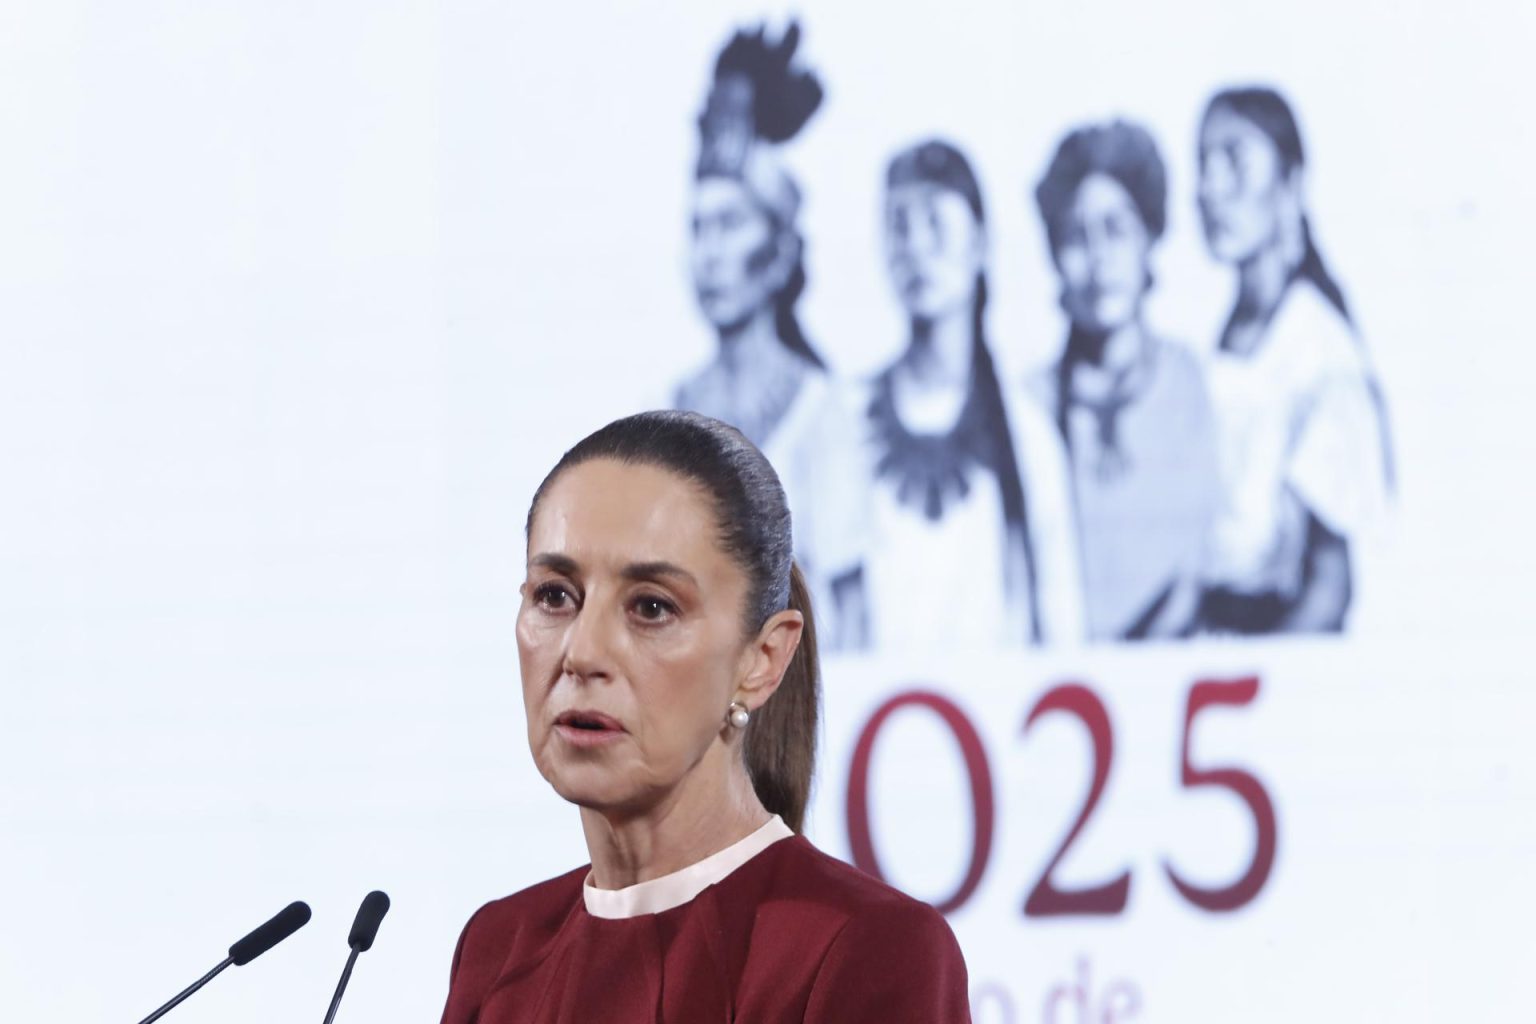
(299, 302)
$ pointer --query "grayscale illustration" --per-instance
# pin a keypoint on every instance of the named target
(1131, 406)
(948, 556)
(1301, 423)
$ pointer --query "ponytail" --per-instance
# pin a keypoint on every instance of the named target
(780, 742)
(1000, 456)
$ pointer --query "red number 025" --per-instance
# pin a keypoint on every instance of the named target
(1045, 898)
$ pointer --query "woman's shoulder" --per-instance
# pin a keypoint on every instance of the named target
(866, 950)
(820, 405)
(552, 893)
(515, 928)
(806, 877)
(538, 908)
(1316, 332)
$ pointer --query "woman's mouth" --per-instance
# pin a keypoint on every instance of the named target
(588, 728)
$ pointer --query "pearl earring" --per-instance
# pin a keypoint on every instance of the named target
(738, 715)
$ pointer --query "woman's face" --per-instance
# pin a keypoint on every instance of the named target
(934, 247)
(740, 260)
(1102, 254)
(629, 636)
(1246, 194)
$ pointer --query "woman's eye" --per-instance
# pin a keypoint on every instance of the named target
(553, 597)
(653, 609)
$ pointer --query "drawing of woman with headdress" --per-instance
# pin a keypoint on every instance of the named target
(748, 267)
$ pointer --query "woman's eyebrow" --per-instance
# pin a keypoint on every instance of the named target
(655, 570)
(564, 565)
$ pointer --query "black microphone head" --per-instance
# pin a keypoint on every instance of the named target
(366, 924)
(287, 921)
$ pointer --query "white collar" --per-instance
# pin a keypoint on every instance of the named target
(679, 887)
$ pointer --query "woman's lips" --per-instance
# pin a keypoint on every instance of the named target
(588, 728)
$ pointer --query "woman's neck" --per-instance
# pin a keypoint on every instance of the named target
(704, 814)
(941, 351)
(1263, 278)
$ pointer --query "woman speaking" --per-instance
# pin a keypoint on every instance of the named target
(669, 670)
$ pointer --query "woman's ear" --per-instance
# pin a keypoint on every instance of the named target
(767, 658)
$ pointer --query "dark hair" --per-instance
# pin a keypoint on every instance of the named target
(937, 162)
(1267, 110)
(754, 530)
(785, 321)
(1120, 149)
(782, 94)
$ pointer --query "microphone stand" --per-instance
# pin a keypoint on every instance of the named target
(199, 983)
(341, 986)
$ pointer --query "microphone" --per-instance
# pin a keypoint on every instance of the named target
(287, 921)
(366, 924)
(364, 927)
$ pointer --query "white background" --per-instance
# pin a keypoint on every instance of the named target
(298, 302)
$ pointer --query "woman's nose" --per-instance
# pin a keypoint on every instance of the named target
(587, 652)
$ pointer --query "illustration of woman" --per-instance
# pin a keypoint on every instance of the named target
(1302, 430)
(1131, 407)
(949, 559)
(747, 261)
